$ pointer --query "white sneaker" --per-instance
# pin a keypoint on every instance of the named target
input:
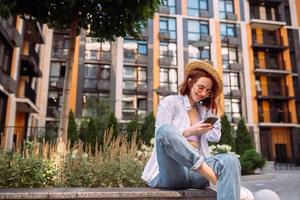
(245, 194)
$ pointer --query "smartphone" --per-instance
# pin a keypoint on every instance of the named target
(211, 120)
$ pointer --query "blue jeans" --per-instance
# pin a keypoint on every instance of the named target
(177, 161)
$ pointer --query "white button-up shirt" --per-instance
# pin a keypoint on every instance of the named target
(173, 110)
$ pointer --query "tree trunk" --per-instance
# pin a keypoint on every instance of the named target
(62, 139)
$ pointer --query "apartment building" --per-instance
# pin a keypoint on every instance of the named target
(20, 72)
(254, 44)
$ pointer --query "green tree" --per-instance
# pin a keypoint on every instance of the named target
(91, 134)
(243, 139)
(112, 123)
(72, 129)
(105, 20)
(148, 128)
(132, 128)
(227, 133)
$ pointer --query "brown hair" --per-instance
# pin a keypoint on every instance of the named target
(187, 84)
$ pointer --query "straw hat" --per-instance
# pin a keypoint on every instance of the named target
(202, 65)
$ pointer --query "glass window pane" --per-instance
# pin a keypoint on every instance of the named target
(223, 29)
(172, 24)
(163, 75)
(204, 29)
(163, 24)
(55, 69)
(193, 4)
(222, 6)
(173, 76)
(203, 5)
(142, 49)
(129, 73)
(193, 26)
(229, 6)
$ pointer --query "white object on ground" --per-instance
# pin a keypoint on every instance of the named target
(266, 194)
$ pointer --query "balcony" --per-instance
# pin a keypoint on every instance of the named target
(231, 16)
(102, 56)
(8, 82)
(273, 91)
(10, 31)
(168, 61)
(164, 35)
(272, 68)
(276, 116)
(276, 45)
(103, 85)
(230, 40)
(33, 32)
(130, 56)
(235, 66)
(30, 62)
(26, 98)
(204, 14)
(203, 42)
(164, 9)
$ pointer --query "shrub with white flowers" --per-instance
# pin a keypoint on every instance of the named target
(223, 148)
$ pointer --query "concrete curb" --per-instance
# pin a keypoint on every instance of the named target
(105, 193)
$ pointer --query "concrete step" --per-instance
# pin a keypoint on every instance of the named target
(105, 193)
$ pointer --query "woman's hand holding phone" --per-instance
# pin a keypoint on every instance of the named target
(198, 129)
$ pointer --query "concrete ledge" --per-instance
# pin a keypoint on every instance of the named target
(105, 193)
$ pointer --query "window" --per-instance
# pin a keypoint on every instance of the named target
(168, 79)
(95, 50)
(134, 107)
(195, 6)
(233, 109)
(168, 53)
(168, 25)
(171, 5)
(54, 104)
(265, 12)
(228, 30)
(229, 55)
(92, 102)
(196, 29)
(132, 48)
(134, 77)
(61, 45)
(5, 56)
(95, 75)
(231, 82)
(57, 73)
(225, 6)
(196, 53)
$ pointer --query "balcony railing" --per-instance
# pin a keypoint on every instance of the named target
(8, 82)
(272, 90)
(30, 93)
(277, 116)
(270, 65)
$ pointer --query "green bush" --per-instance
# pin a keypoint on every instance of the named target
(118, 173)
(81, 172)
(17, 171)
(250, 161)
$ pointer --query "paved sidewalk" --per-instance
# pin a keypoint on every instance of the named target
(285, 183)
